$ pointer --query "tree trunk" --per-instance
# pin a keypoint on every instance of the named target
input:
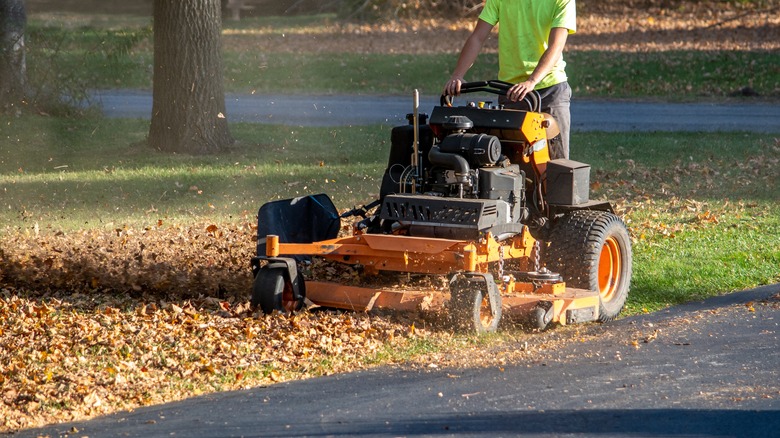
(188, 103)
(13, 66)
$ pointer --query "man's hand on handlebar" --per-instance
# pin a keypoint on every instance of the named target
(452, 87)
(517, 92)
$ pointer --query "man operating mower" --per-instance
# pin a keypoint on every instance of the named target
(531, 38)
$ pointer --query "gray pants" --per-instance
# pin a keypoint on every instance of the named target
(556, 101)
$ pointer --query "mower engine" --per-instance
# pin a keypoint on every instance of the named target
(464, 185)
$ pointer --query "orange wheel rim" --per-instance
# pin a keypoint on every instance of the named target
(609, 269)
(485, 312)
(288, 298)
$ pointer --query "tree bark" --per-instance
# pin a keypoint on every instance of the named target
(188, 97)
(13, 65)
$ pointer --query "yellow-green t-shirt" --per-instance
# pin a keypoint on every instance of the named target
(524, 28)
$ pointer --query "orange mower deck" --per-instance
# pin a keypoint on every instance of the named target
(435, 256)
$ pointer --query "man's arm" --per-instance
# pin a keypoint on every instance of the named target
(550, 57)
(468, 55)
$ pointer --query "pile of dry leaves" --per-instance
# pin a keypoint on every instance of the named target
(96, 321)
(182, 261)
(70, 355)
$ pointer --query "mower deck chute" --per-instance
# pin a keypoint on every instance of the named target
(483, 204)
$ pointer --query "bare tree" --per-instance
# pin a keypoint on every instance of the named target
(13, 67)
(188, 108)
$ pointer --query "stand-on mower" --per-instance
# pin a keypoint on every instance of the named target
(471, 193)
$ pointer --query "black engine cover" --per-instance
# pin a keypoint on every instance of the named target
(506, 184)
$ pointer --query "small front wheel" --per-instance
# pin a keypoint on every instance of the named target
(541, 316)
(475, 303)
(272, 290)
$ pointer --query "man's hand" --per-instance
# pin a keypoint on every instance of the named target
(452, 87)
(518, 91)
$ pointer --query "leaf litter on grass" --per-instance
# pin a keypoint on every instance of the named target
(622, 26)
(96, 321)
(70, 355)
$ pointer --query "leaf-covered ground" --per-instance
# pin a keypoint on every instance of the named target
(96, 321)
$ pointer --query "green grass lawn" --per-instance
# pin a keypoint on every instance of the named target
(650, 75)
(74, 173)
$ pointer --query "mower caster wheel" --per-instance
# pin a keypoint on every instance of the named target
(541, 316)
(475, 303)
(273, 290)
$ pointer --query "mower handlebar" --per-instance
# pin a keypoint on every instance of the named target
(494, 86)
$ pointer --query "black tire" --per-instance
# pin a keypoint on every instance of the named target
(541, 316)
(475, 304)
(272, 290)
(592, 250)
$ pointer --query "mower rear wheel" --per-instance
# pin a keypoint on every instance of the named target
(592, 250)
(475, 303)
(273, 291)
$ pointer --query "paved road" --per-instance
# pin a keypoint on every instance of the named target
(367, 110)
(710, 369)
